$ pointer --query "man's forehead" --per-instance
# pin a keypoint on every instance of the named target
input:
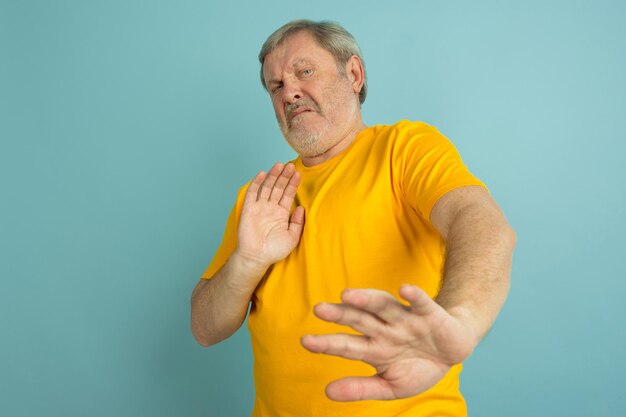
(297, 50)
(299, 61)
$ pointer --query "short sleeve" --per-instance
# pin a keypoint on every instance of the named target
(429, 166)
(229, 241)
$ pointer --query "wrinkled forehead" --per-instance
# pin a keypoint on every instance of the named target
(296, 50)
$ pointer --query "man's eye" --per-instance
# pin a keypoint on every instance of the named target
(276, 89)
(307, 72)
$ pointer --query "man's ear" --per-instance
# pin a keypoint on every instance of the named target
(355, 73)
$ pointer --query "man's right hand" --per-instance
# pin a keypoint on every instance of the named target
(267, 233)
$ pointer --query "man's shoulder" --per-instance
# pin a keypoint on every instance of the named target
(410, 126)
(405, 127)
(405, 130)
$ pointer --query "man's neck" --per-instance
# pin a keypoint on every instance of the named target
(337, 148)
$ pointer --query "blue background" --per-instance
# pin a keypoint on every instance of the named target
(127, 127)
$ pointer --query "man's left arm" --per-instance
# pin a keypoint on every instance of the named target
(479, 249)
(413, 346)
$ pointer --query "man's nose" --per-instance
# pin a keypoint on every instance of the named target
(292, 93)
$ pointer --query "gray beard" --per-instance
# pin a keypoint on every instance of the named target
(304, 142)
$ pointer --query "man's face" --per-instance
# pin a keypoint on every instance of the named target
(315, 104)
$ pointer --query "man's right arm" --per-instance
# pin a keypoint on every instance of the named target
(219, 305)
(267, 233)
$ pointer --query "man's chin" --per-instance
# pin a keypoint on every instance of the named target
(304, 144)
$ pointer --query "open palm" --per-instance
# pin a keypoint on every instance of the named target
(410, 346)
(267, 233)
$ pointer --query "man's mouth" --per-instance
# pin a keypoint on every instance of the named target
(299, 111)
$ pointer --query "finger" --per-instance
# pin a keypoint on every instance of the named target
(290, 191)
(296, 222)
(380, 303)
(359, 320)
(421, 303)
(347, 346)
(253, 188)
(281, 183)
(360, 388)
(270, 180)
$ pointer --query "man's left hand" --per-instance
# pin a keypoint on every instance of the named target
(411, 346)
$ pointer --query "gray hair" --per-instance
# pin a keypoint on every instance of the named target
(329, 35)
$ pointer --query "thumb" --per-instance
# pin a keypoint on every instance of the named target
(359, 388)
(296, 222)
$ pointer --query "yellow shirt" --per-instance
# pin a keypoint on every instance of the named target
(366, 226)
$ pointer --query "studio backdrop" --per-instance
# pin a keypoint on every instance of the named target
(127, 127)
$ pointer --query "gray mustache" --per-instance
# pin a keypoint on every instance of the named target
(300, 103)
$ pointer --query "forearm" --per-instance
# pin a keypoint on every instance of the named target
(219, 305)
(476, 279)
(267, 233)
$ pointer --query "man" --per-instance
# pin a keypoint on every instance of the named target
(401, 245)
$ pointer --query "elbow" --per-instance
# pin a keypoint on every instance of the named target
(509, 240)
(200, 330)
(205, 343)
(503, 234)
(202, 337)
(199, 323)
(206, 332)
(510, 236)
